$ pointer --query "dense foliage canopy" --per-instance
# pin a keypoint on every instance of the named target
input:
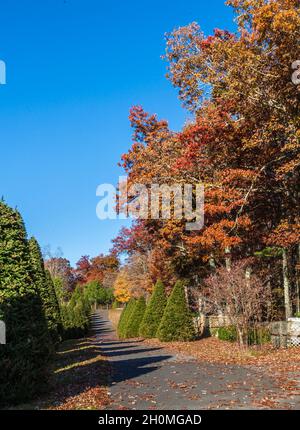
(242, 143)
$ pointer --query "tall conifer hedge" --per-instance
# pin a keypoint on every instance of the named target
(46, 291)
(25, 357)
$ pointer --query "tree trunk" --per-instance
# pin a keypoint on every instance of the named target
(248, 275)
(212, 263)
(286, 283)
(186, 292)
(241, 337)
(228, 258)
(269, 303)
(298, 281)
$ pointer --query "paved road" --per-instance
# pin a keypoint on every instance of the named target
(146, 378)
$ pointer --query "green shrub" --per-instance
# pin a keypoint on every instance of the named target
(105, 297)
(25, 358)
(76, 315)
(154, 312)
(256, 336)
(63, 295)
(97, 294)
(125, 316)
(66, 318)
(92, 292)
(56, 316)
(227, 333)
(135, 319)
(259, 336)
(177, 323)
(213, 332)
(116, 304)
(110, 297)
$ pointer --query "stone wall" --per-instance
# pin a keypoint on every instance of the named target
(285, 334)
(114, 316)
(208, 325)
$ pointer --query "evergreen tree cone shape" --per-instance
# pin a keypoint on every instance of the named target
(154, 312)
(25, 358)
(177, 323)
(136, 317)
(46, 291)
(124, 319)
(78, 315)
(56, 306)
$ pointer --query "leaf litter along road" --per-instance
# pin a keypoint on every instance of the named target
(78, 378)
(102, 372)
(152, 375)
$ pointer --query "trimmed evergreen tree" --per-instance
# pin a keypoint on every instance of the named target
(25, 357)
(125, 316)
(135, 319)
(76, 315)
(75, 310)
(46, 291)
(56, 306)
(154, 311)
(177, 323)
(62, 293)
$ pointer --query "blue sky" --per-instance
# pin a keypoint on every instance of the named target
(74, 68)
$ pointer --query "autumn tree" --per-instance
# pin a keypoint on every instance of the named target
(242, 144)
(241, 296)
(122, 287)
(148, 259)
(249, 74)
(97, 268)
(61, 269)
